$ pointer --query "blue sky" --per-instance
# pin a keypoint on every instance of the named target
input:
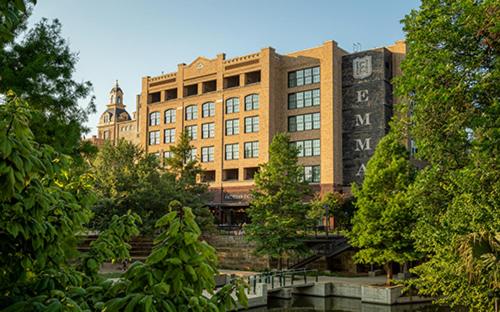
(128, 39)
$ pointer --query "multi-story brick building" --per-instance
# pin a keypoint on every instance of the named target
(334, 105)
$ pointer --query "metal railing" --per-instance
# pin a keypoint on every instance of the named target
(281, 278)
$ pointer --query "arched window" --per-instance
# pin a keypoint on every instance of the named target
(251, 102)
(154, 118)
(232, 105)
(208, 109)
(118, 100)
(112, 98)
(106, 118)
(170, 116)
(191, 112)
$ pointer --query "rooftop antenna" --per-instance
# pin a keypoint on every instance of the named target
(356, 47)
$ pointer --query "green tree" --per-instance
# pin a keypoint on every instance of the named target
(450, 82)
(13, 15)
(184, 173)
(176, 273)
(383, 222)
(127, 178)
(111, 244)
(43, 206)
(339, 206)
(277, 210)
(39, 68)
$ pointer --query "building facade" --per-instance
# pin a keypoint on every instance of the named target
(334, 105)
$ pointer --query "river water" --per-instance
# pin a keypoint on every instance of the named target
(339, 304)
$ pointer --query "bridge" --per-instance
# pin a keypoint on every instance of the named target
(281, 283)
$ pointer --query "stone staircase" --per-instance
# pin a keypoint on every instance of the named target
(141, 246)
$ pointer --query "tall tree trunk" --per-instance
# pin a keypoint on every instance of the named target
(388, 271)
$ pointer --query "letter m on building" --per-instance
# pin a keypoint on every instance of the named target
(362, 120)
(362, 145)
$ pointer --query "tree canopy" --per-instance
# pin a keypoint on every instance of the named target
(450, 85)
(127, 178)
(277, 209)
(383, 223)
(39, 68)
(184, 172)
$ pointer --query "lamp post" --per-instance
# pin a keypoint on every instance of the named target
(327, 213)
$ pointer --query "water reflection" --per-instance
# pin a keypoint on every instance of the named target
(339, 304)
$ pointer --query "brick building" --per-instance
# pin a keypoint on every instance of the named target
(334, 105)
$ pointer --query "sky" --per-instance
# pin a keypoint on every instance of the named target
(126, 40)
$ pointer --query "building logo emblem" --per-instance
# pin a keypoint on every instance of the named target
(362, 67)
(199, 65)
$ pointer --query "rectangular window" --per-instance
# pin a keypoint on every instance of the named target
(312, 174)
(192, 155)
(154, 119)
(208, 130)
(303, 77)
(169, 135)
(191, 112)
(252, 149)
(207, 154)
(307, 148)
(232, 126)
(232, 105)
(304, 99)
(251, 102)
(170, 116)
(304, 122)
(208, 109)
(192, 131)
(167, 154)
(252, 124)
(154, 137)
(232, 151)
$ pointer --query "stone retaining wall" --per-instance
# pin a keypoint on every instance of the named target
(235, 253)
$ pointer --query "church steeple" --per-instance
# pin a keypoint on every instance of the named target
(116, 96)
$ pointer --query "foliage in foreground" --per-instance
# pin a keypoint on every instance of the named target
(44, 206)
(450, 80)
(277, 210)
(178, 275)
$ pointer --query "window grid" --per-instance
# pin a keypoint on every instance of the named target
(307, 148)
(304, 122)
(303, 77)
(208, 109)
(232, 105)
(304, 99)
(192, 131)
(207, 154)
(154, 118)
(312, 174)
(170, 116)
(232, 126)
(232, 151)
(252, 102)
(192, 155)
(252, 124)
(251, 149)
(154, 137)
(169, 135)
(208, 130)
(191, 112)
